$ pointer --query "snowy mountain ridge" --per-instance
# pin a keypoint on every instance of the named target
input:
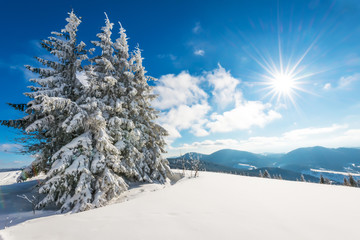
(291, 165)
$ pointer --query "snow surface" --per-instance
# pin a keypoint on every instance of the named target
(13, 209)
(248, 166)
(7, 178)
(335, 172)
(212, 206)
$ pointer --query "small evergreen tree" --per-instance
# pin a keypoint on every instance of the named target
(302, 178)
(352, 181)
(327, 181)
(324, 180)
(346, 182)
(266, 174)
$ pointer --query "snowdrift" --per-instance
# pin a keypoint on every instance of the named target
(212, 206)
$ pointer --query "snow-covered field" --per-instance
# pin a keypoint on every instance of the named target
(213, 206)
(13, 209)
(7, 178)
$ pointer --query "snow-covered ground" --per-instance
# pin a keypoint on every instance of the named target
(13, 209)
(7, 178)
(213, 206)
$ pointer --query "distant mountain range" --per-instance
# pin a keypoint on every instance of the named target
(311, 162)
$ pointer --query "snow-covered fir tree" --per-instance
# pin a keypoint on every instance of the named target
(54, 90)
(146, 137)
(302, 178)
(352, 181)
(115, 137)
(266, 174)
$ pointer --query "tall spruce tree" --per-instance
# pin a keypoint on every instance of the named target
(149, 136)
(54, 89)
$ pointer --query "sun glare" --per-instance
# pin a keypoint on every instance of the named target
(284, 76)
(283, 84)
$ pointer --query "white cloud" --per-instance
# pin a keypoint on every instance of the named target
(199, 52)
(176, 90)
(10, 147)
(224, 86)
(172, 131)
(345, 82)
(327, 86)
(197, 28)
(304, 133)
(185, 105)
(219, 142)
(186, 117)
(244, 116)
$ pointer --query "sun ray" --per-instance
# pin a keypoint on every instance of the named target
(285, 80)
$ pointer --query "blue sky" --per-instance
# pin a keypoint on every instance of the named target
(219, 68)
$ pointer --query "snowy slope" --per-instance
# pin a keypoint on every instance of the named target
(213, 206)
(7, 178)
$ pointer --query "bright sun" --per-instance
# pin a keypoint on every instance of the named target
(283, 84)
(285, 80)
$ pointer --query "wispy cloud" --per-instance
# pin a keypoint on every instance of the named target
(199, 52)
(197, 28)
(169, 56)
(10, 147)
(327, 86)
(346, 81)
